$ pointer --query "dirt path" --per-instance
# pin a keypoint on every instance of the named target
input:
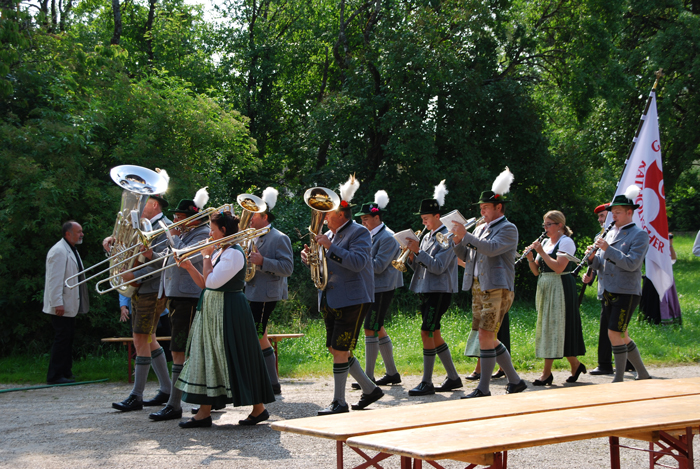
(75, 427)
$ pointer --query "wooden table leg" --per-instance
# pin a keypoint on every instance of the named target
(614, 452)
(339, 453)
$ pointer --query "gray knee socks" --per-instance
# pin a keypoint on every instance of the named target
(428, 364)
(270, 364)
(387, 350)
(160, 366)
(340, 378)
(443, 352)
(620, 353)
(362, 379)
(175, 393)
(141, 369)
(371, 352)
(504, 361)
(488, 363)
(636, 359)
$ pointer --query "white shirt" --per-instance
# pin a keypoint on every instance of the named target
(566, 246)
(230, 262)
(376, 229)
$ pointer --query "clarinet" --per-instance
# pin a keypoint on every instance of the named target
(525, 253)
(587, 255)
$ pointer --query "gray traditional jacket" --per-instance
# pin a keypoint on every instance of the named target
(151, 284)
(270, 281)
(350, 273)
(494, 249)
(435, 268)
(384, 250)
(620, 266)
(177, 282)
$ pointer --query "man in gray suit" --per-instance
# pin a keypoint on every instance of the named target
(435, 280)
(183, 295)
(618, 261)
(386, 280)
(148, 304)
(62, 303)
(489, 255)
(274, 263)
(345, 302)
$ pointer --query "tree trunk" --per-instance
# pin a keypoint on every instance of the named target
(116, 37)
(149, 29)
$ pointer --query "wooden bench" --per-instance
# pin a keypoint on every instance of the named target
(129, 342)
(486, 442)
(354, 424)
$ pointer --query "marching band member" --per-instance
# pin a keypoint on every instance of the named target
(386, 280)
(559, 333)
(435, 280)
(275, 261)
(347, 297)
(225, 363)
(618, 258)
(489, 255)
(182, 293)
(147, 305)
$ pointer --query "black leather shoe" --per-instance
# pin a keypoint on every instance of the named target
(160, 399)
(449, 384)
(629, 367)
(473, 377)
(386, 380)
(546, 382)
(423, 389)
(516, 388)
(166, 413)
(498, 375)
(277, 389)
(581, 369)
(193, 423)
(367, 399)
(127, 405)
(357, 385)
(195, 410)
(250, 420)
(61, 381)
(475, 393)
(602, 371)
(334, 408)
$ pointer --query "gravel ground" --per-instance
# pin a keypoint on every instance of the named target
(75, 427)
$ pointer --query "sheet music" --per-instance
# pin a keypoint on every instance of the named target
(454, 215)
(404, 235)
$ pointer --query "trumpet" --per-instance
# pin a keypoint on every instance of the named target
(138, 183)
(602, 234)
(400, 262)
(444, 240)
(527, 251)
(321, 201)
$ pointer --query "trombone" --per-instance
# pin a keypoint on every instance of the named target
(400, 262)
(180, 255)
(444, 240)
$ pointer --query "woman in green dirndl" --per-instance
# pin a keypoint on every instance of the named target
(559, 333)
(225, 363)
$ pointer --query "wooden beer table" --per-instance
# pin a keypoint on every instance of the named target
(367, 429)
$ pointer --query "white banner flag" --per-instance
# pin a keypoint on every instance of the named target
(644, 169)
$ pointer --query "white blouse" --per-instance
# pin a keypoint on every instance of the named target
(566, 246)
(227, 263)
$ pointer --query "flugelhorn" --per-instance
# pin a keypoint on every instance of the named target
(527, 251)
(250, 204)
(578, 268)
(444, 240)
(138, 184)
(400, 262)
(321, 201)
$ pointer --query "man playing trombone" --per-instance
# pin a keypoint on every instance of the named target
(489, 254)
(147, 307)
(182, 292)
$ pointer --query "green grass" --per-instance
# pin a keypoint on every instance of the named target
(308, 356)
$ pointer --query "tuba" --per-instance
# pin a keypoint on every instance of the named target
(138, 184)
(250, 205)
(321, 201)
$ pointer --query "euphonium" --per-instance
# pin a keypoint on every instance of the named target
(250, 205)
(138, 183)
(444, 240)
(321, 201)
(400, 262)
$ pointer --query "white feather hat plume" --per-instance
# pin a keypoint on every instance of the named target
(269, 196)
(440, 193)
(632, 192)
(381, 198)
(502, 183)
(201, 198)
(164, 174)
(347, 190)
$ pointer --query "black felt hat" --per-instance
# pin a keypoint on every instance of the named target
(429, 207)
(159, 197)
